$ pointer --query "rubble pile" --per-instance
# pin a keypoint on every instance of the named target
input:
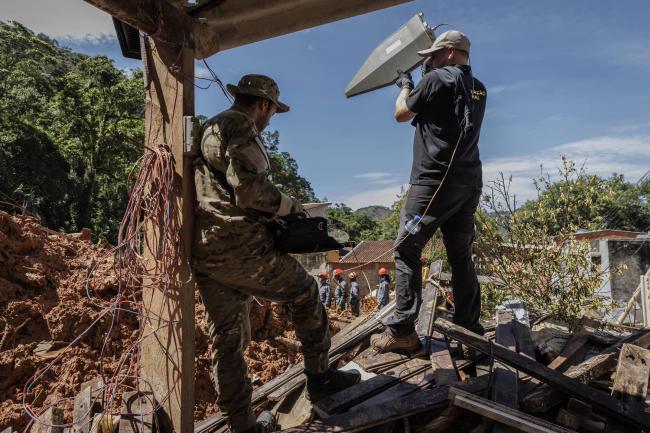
(524, 372)
(43, 307)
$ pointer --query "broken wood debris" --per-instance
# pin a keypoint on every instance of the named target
(433, 390)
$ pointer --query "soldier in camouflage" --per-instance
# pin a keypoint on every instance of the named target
(234, 257)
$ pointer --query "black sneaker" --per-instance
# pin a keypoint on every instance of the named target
(332, 381)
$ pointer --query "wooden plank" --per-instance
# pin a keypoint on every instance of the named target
(425, 317)
(632, 372)
(616, 408)
(503, 414)
(87, 403)
(545, 398)
(349, 397)
(161, 19)
(137, 413)
(370, 416)
(167, 350)
(504, 390)
(569, 352)
(236, 23)
(521, 325)
(443, 423)
(443, 367)
(49, 421)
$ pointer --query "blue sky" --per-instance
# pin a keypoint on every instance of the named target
(562, 78)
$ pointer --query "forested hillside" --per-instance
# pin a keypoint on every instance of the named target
(71, 130)
(71, 127)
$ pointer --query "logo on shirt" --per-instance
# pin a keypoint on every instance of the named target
(477, 94)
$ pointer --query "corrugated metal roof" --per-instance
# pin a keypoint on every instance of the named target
(370, 252)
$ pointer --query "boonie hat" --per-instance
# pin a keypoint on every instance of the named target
(261, 86)
(451, 38)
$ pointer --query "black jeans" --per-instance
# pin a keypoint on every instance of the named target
(453, 212)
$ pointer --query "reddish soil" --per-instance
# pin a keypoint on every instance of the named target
(43, 299)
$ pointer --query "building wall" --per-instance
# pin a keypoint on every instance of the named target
(632, 259)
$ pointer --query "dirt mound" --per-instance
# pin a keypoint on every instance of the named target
(43, 307)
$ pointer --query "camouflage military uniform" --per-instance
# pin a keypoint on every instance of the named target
(234, 258)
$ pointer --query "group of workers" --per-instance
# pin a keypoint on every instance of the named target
(234, 257)
(352, 297)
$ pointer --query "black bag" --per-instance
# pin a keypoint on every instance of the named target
(296, 235)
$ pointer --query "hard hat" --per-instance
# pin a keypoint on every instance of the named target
(383, 271)
(324, 276)
(352, 275)
(338, 271)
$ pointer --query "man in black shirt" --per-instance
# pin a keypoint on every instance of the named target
(446, 109)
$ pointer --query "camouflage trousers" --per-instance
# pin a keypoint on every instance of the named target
(232, 262)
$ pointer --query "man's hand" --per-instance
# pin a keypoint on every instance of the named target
(404, 80)
(296, 207)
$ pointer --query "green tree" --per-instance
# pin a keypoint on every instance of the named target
(358, 226)
(98, 116)
(284, 170)
(588, 202)
(72, 126)
(532, 251)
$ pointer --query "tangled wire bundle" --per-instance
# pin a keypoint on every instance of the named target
(140, 262)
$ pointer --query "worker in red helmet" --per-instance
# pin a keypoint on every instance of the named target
(355, 294)
(341, 291)
(324, 291)
(383, 289)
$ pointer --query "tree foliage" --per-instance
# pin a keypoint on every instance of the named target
(532, 250)
(72, 126)
(358, 225)
(284, 170)
(588, 202)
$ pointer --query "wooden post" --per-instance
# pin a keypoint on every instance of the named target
(167, 366)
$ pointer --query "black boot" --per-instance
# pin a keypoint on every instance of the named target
(265, 423)
(332, 381)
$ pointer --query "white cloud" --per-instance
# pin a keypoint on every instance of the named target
(600, 155)
(379, 178)
(201, 71)
(61, 19)
(384, 197)
(372, 176)
(495, 90)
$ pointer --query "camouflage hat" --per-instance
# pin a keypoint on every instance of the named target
(450, 39)
(259, 85)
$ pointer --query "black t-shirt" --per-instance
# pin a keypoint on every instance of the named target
(437, 127)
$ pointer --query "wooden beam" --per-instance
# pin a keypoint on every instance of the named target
(632, 372)
(503, 414)
(545, 398)
(235, 23)
(370, 416)
(167, 350)
(49, 421)
(162, 21)
(349, 397)
(505, 389)
(522, 363)
(137, 414)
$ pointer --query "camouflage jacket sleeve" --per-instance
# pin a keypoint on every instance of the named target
(247, 171)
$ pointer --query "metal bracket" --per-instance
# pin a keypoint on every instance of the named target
(191, 135)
